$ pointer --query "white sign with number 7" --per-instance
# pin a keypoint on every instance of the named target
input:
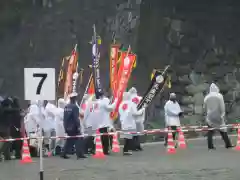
(39, 83)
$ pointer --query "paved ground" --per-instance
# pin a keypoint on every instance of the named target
(195, 163)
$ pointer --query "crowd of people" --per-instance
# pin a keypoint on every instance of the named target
(44, 118)
(69, 118)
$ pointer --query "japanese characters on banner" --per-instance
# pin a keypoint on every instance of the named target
(159, 79)
(124, 73)
(95, 64)
(114, 50)
(77, 81)
(72, 68)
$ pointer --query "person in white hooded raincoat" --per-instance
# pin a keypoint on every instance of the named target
(49, 125)
(215, 115)
(105, 123)
(32, 118)
(32, 123)
(60, 131)
(172, 113)
(86, 119)
(127, 111)
(139, 119)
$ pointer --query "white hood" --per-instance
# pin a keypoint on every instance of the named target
(125, 112)
(126, 96)
(49, 112)
(133, 90)
(213, 88)
(61, 103)
(215, 107)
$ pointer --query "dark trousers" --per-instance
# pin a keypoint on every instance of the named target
(105, 139)
(128, 145)
(224, 137)
(89, 144)
(173, 128)
(136, 142)
(16, 145)
(6, 150)
(6, 147)
(79, 145)
(111, 140)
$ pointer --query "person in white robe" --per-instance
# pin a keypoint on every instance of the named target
(139, 119)
(128, 123)
(215, 115)
(87, 123)
(172, 115)
(49, 126)
(32, 123)
(60, 131)
(105, 122)
(90, 120)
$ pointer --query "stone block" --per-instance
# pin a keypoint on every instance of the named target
(184, 79)
(211, 59)
(192, 89)
(218, 72)
(176, 25)
(228, 97)
(187, 100)
(192, 120)
(223, 86)
(196, 78)
(138, 2)
(198, 99)
(198, 110)
(200, 68)
(189, 109)
(234, 113)
(183, 70)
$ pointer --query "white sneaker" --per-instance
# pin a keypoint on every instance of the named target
(127, 153)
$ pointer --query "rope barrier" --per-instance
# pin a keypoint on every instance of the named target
(152, 131)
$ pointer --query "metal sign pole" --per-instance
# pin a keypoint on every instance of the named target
(41, 171)
(41, 158)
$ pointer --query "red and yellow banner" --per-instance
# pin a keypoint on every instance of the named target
(62, 77)
(91, 89)
(114, 50)
(124, 73)
(72, 68)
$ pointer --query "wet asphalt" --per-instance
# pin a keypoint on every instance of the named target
(194, 163)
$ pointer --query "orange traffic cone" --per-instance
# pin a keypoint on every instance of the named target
(181, 139)
(170, 146)
(26, 157)
(238, 140)
(99, 149)
(116, 147)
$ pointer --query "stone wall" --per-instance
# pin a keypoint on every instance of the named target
(39, 33)
(200, 41)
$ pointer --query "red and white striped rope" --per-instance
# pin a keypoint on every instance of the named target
(152, 131)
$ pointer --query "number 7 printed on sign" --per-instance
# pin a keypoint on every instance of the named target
(39, 83)
(43, 76)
